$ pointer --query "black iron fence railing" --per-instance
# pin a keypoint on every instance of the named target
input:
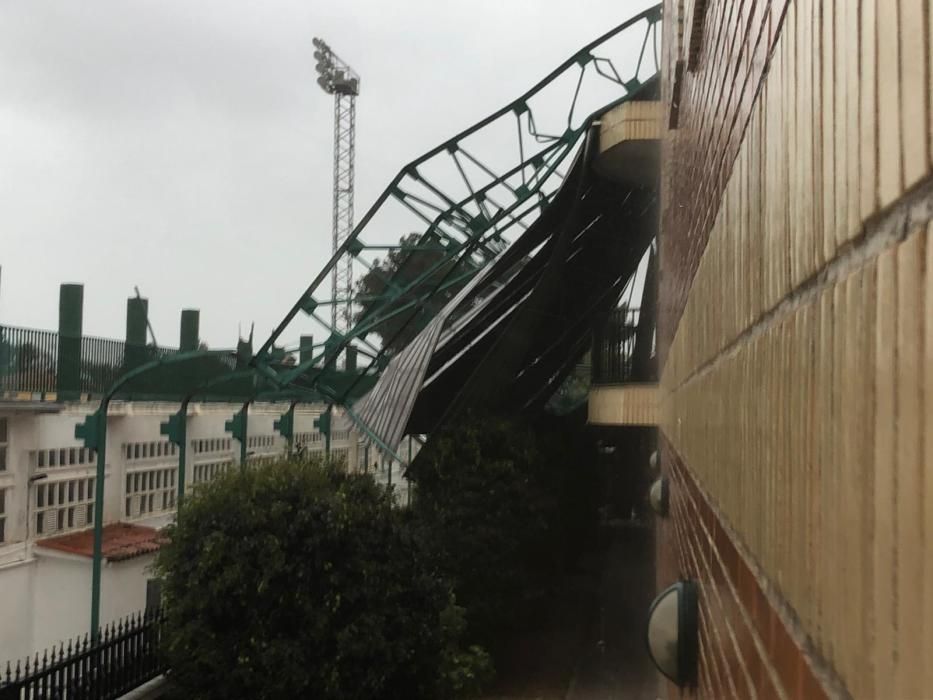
(126, 655)
(42, 362)
(622, 351)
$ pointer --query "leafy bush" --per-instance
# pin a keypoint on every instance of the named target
(504, 507)
(296, 580)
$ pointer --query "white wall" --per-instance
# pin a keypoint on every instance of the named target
(62, 602)
(59, 590)
(123, 587)
(17, 591)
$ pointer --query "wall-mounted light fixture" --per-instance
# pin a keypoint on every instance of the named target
(605, 448)
(672, 635)
(659, 496)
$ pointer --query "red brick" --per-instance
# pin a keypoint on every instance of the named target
(748, 590)
(733, 607)
(786, 656)
(807, 684)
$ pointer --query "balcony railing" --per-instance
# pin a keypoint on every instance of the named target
(622, 349)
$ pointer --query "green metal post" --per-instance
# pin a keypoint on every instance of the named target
(245, 438)
(408, 479)
(238, 427)
(330, 411)
(350, 365)
(290, 438)
(305, 349)
(70, 321)
(94, 434)
(190, 328)
(322, 423)
(176, 428)
(99, 520)
(182, 454)
(285, 426)
(137, 313)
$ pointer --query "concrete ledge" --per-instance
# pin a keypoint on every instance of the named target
(154, 689)
(623, 404)
(629, 143)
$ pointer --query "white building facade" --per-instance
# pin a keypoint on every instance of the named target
(47, 487)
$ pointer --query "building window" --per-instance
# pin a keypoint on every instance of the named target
(2, 516)
(260, 441)
(208, 471)
(136, 451)
(63, 505)
(307, 438)
(3, 443)
(150, 491)
(59, 457)
(204, 445)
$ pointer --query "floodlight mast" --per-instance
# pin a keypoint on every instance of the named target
(337, 78)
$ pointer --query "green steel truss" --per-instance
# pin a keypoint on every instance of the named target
(467, 198)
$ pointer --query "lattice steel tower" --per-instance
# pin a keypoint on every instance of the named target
(338, 79)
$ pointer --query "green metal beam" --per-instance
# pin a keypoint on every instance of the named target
(454, 213)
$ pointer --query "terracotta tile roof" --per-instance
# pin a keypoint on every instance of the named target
(121, 541)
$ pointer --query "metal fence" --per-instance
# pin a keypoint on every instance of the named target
(30, 362)
(126, 655)
(28, 359)
(614, 347)
(102, 363)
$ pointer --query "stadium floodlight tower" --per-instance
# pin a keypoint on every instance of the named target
(338, 79)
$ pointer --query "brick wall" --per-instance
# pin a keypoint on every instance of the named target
(714, 107)
(796, 298)
(746, 648)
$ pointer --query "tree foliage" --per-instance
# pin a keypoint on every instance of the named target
(404, 266)
(297, 580)
(506, 506)
(481, 497)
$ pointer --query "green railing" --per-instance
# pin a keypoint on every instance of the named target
(28, 360)
(102, 362)
(38, 362)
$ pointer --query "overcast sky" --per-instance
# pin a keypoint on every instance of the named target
(183, 146)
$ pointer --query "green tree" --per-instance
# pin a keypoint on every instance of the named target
(484, 508)
(298, 580)
(403, 266)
